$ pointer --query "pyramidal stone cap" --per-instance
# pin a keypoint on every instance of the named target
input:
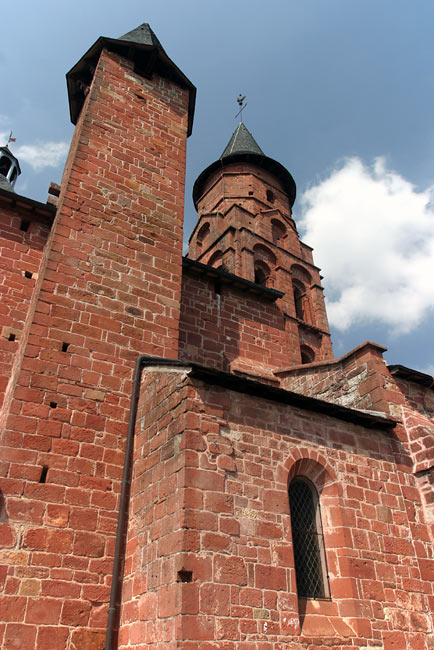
(142, 47)
(242, 147)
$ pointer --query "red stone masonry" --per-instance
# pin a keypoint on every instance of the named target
(210, 561)
(110, 291)
(20, 258)
(230, 329)
(245, 226)
(361, 379)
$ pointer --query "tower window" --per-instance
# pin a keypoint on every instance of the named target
(278, 231)
(308, 540)
(203, 234)
(270, 196)
(307, 354)
(5, 165)
(298, 301)
(262, 273)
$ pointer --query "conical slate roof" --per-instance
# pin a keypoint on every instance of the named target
(242, 141)
(243, 148)
(142, 34)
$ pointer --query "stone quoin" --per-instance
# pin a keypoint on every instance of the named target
(184, 462)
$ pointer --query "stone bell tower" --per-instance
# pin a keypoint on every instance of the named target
(245, 226)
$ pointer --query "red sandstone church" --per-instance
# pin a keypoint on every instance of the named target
(184, 462)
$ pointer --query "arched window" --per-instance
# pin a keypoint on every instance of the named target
(270, 196)
(278, 230)
(202, 234)
(299, 293)
(216, 260)
(307, 540)
(307, 354)
(262, 273)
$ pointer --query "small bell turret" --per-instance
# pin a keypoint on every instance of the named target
(9, 169)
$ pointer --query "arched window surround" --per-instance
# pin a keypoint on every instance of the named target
(216, 260)
(301, 287)
(203, 234)
(262, 273)
(310, 560)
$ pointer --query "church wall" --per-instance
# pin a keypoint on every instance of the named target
(20, 256)
(215, 561)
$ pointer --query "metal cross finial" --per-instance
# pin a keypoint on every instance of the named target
(240, 100)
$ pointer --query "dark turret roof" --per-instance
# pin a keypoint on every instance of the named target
(142, 34)
(242, 147)
(242, 141)
(141, 46)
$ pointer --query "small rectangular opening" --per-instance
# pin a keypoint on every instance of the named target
(65, 346)
(27, 274)
(44, 472)
(185, 576)
(53, 405)
(24, 225)
(11, 337)
(217, 287)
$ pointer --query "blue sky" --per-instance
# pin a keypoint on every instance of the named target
(339, 92)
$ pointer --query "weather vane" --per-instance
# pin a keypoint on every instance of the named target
(242, 105)
(11, 139)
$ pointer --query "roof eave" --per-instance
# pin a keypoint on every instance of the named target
(258, 160)
(156, 59)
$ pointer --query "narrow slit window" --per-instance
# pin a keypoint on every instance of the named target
(298, 301)
(308, 540)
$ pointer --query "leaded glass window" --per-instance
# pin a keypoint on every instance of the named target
(307, 539)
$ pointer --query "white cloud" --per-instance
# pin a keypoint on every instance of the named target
(373, 235)
(39, 155)
(43, 154)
